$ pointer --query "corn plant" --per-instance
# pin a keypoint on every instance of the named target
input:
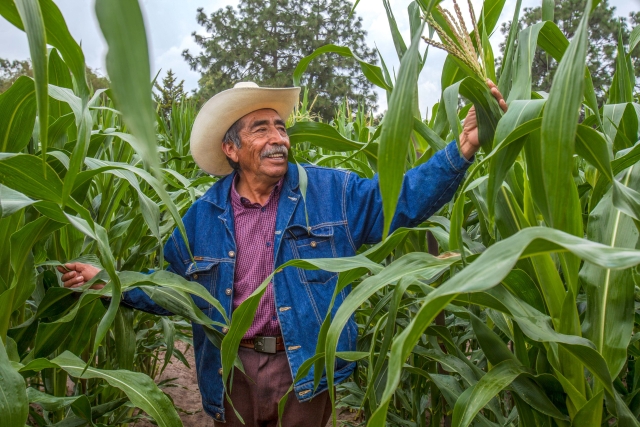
(98, 178)
(514, 305)
(537, 292)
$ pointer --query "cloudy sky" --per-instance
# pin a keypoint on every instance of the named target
(170, 24)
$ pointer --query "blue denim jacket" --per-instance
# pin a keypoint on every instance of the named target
(345, 211)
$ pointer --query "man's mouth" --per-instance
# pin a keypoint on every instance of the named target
(276, 153)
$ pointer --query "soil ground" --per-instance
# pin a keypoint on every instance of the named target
(186, 396)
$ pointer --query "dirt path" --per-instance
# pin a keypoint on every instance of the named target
(187, 395)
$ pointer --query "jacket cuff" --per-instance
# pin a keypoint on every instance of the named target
(456, 160)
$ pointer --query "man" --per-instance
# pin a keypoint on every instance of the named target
(252, 221)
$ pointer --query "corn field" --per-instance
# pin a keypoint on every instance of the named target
(517, 304)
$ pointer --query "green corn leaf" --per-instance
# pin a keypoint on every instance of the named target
(548, 7)
(433, 139)
(23, 173)
(129, 71)
(14, 405)
(326, 136)
(506, 68)
(502, 256)
(519, 113)
(396, 131)
(12, 201)
(621, 124)
(559, 126)
(472, 400)
(609, 317)
(32, 20)
(621, 90)
(634, 38)
(17, 115)
(373, 73)
(490, 15)
(140, 389)
(591, 146)
(398, 41)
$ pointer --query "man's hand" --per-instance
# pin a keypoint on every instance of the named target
(469, 142)
(77, 274)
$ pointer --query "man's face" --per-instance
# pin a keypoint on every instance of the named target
(264, 145)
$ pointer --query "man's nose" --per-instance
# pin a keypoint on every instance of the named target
(275, 137)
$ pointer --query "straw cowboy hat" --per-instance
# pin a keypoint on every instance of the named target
(223, 110)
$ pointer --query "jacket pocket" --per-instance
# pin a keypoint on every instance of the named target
(309, 244)
(205, 272)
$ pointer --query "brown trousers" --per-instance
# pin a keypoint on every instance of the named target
(256, 395)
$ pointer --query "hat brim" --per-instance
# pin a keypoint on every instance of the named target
(221, 111)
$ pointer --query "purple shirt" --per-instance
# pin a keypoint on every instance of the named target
(255, 227)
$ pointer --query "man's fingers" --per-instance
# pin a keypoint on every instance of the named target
(503, 105)
(74, 282)
(69, 275)
(498, 96)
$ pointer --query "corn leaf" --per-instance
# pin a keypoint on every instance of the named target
(129, 71)
(396, 132)
(14, 404)
(31, 16)
(139, 388)
(372, 72)
(17, 115)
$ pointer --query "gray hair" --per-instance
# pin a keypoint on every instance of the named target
(233, 136)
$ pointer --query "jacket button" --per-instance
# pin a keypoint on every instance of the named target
(195, 277)
(228, 291)
(220, 371)
(218, 416)
(313, 244)
(232, 254)
(225, 330)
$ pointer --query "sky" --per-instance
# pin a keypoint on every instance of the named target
(170, 23)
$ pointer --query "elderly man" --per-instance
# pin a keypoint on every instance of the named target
(253, 220)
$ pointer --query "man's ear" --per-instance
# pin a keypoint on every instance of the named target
(230, 150)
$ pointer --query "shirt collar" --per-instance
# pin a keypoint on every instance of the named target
(238, 201)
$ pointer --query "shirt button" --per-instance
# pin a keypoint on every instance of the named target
(228, 291)
(232, 254)
(313, 244)
(225, 330)
(263, 209)
(268, 244)
(195, 277)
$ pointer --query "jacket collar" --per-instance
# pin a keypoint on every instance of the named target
(219, 193)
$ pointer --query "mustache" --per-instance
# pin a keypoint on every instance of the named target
(277, 149)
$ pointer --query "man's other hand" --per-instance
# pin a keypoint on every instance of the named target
(77, 274)
(469, 141)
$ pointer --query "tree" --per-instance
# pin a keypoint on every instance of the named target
(264, 41)
(604, 29)
(170, 93)
(11, 70)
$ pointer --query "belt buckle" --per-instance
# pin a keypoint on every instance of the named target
(264, 344)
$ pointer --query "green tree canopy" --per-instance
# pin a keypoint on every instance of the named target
(264, 41)
(604, 29)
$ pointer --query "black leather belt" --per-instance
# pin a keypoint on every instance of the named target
(264, 344)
